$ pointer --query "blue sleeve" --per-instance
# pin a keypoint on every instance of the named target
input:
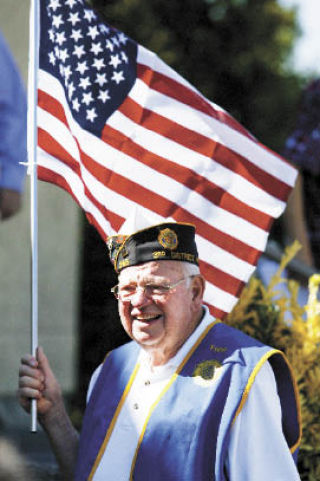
(13, 122)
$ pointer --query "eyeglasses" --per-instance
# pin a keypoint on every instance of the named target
(125, 293)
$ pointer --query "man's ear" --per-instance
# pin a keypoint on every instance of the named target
(197, 287)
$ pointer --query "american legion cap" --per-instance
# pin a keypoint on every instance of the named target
(165, 241)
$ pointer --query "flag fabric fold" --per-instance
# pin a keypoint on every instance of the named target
(118, 128)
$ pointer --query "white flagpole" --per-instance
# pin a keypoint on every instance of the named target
(32, 171)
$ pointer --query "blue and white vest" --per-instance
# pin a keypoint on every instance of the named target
(188, 428)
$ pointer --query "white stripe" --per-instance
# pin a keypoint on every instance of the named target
(230, 137)
(151, 179)
(219, 298)
(228, 180)
(76, 186)
(59, 131)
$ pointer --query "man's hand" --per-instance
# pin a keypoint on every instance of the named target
(10, 203)
(37, 381)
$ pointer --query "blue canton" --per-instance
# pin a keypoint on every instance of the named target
(95, 63)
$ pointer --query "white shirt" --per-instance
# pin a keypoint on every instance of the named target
(255, 453)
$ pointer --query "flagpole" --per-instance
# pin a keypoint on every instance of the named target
(32, 171)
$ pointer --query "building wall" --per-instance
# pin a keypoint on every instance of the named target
(59, 231)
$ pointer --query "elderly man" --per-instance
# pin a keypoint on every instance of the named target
(189, 399)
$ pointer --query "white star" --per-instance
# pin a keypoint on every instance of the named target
(71, 3)
(61, 69)
(87, 98)
(71, 89)
(57, 51)
(93, 32)
(52, 58)
(115, 41)
(115, 61)
(89, 15)
(64, 55)
(60, 38)
(51, 34)
(78, 51)
(54, 4)
(122, 38)
(75, 104)
(76, 35)
(104, 28)
(109, 45)
(67, 72)
(91, 114)
(104, 95)
(124, 57)
(74, 18)
(82, 67)
(101, 79)
(57, 20)
(96, 48)
(117, 77)
(98, 63)
(84, 83)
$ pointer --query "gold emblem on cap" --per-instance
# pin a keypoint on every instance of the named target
(168, 239)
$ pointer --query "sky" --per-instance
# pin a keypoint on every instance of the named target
(307, 50)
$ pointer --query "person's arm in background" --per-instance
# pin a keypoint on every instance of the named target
(295, 223)
(13, 133)
(37, 381)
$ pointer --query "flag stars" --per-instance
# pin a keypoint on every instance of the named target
(82, 67)
(122, 38)
(117, 77)
(57, 21)
(124, 57)
(71, 90)
(101, 79)
(74, 18)
(93, 32)
(79, 51)
(54, 4)
(109, 45)
(84, 83)
(71, 3)
(64, 55)
(67, 72)
(89, 15)
(76, 35)
(60, 38)
(98, 63)
(103, 28)
(52, 58)
(96, 48)
(51, 35)
(76, 105)
(115, 61)
(91, 114)
(87, 98)
(104, 95)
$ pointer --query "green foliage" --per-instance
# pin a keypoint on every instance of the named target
(273, 315)
(234, 51)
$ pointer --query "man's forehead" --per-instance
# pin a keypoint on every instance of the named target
(152, 268)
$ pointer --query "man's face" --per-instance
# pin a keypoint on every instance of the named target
(160, 323)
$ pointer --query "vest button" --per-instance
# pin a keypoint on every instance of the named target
(136, 406)
(147, 383)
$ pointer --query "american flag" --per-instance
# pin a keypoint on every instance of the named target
(118, 128)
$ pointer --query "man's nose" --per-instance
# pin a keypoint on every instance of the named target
(140, 297)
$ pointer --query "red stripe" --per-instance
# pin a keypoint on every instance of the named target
(51, 105)
(50, 145)
(216, 312)
(171, 88)
(205, 146)
(188, 178)
(147, 198)
(222, 280)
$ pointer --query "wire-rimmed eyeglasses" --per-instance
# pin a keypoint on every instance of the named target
(125, 293)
